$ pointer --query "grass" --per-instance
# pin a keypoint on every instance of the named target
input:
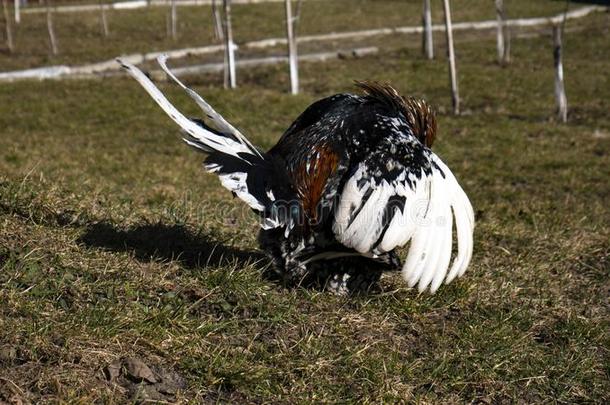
(114, 244)
(144, 30)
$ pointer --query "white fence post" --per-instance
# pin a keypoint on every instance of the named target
(500, 29)
(292, 49)
(560, 92)
(52, 39)
(502, 33)
(230, 79)
(218, 31)
(455, 96)
(103, 19)
(17, 11)
(174, 19)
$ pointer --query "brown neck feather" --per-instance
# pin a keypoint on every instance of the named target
(418, 112)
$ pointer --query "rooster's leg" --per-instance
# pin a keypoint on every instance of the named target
(352, 275)
(292, 262)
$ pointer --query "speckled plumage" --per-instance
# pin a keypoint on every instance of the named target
(352, 179)
(353, 129)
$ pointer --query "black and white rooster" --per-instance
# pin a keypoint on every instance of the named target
(348, 183)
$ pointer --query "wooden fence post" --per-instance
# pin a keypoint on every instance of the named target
(506, 44)
(7, 23)
(428, 46)
(292, 49)
(173, 19)
(103, 20)
(52, 39)
(560, 92)
(218, 31)
(230, 79)
(500, 29)
(17, 11)
(455, 97)
(502, 34)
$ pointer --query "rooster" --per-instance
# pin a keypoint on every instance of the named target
(352, 180)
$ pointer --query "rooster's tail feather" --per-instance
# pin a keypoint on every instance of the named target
(240, 166)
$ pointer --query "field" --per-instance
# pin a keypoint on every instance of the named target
(127, 273)
(132, 31)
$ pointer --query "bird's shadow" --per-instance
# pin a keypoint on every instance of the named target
(162, 242)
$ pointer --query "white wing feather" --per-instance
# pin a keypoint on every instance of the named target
(432, 205)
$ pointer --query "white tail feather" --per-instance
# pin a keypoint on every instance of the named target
(218, 120)
(224, 146)
(208, 139)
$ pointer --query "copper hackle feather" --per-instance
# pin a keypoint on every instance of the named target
(418, 112)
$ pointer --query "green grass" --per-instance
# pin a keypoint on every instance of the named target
(114, 243)
(144, 30)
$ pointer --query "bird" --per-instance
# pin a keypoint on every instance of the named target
(351, 182)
